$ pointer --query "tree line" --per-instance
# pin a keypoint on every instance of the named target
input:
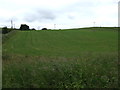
(23, 27)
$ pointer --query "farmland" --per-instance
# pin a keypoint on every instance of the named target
(78, 58)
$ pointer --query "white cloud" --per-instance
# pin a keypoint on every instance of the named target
(63, 13)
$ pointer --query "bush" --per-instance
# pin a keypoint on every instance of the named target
(5, 30)
(33, 29)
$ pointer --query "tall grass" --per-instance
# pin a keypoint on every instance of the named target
(88, 71)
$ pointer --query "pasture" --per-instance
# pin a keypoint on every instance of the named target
(78, 58)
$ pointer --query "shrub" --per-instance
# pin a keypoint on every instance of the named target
(33, 29)
(5, 30)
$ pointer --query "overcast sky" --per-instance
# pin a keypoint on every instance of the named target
(59, 13)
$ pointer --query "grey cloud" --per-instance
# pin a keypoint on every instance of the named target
(30, 17)
(45, 14)
(8, 19)
(39, 15)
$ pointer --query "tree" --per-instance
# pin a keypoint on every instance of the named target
(44, 28)
(24, 27)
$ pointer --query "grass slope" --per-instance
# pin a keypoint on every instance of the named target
(61, 59)
(62, 43)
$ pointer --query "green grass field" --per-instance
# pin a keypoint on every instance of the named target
(79, 58)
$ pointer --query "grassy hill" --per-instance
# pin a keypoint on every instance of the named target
(61, 43)
(78, 58)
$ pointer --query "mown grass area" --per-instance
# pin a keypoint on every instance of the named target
(61, 43)
(61, 59)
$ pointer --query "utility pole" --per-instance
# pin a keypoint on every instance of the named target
(94, 24)
(54, 26)
(11, 24)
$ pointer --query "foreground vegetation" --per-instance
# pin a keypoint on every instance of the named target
(61, 59)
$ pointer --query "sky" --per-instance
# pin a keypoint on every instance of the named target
(59, 14)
